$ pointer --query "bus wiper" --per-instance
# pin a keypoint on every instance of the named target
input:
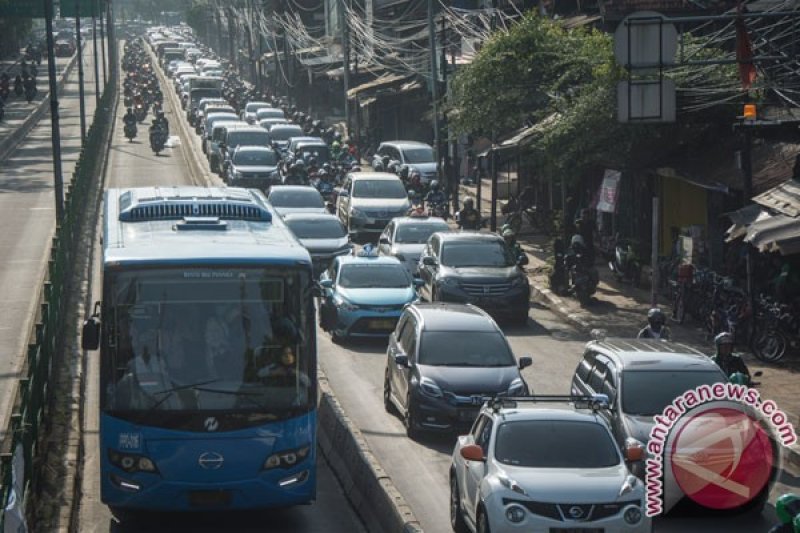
(169, 392)
(238, 393)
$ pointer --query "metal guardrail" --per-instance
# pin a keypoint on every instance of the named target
(19, 441)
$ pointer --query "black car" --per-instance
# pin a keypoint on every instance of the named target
(323, 235)
(476, 268)
(443, 362)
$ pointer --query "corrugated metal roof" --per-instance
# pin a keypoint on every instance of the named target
(785, 198)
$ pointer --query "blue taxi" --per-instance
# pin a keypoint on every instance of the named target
(364, 295)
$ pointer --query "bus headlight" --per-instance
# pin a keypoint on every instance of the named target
(130, 462)
(287, 458)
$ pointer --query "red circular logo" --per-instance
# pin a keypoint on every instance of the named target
(722, 458)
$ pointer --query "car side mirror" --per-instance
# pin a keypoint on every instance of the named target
(418, 282)
(326, 283)
(90, 334)
(473, 452)
(344, 193)
(525, 362)
(401, 360)
(384, 240)
(429, 261)
(522, 260)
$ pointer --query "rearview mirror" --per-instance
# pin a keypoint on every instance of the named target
(344, 193)
(525, 362)
(326, 283)
(419, 282)
(472, 452)
(90, 334)
(384, 240)
(522, 260)
(429, 261)
(401, 360)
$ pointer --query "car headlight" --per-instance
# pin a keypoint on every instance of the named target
(357, 213)
(516, 388)
(430, 388)
(628, 485)
(344, 304)
(632, 515)
(519, 281)
(510, 484)
(131, 462)
(287, 458)
(236, 175)
(515, 514)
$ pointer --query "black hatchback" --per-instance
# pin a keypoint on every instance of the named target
(443, 362)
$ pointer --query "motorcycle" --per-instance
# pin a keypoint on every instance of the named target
(140, 111)
(18, 88)
(625, 262)
(130, 131)
(559, 282)
(30, 93)
(158, 139)
(438, 209)
(583, 278)
(325, 189)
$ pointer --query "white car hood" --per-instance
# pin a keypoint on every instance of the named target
(571, 485)
(373, 204)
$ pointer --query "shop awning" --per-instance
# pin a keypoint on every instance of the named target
(315, 61)
(785, 198)
(669, 172)
(778, 233)
(524, 136)
(379, 83)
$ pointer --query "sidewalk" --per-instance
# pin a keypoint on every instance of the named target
(621, 310)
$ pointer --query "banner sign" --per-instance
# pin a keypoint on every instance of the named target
(607, 202)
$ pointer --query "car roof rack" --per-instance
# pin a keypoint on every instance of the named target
(595, 402)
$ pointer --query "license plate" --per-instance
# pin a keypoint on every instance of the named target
(209, 498)
(381, 324)
(467, 415)
(576, 530)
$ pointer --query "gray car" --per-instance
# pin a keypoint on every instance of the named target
(367, 201)
(412, 154)
(323, 235)
(405, 238)
(253, 166)
(443, 362)
(296, 199)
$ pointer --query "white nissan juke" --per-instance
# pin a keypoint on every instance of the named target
(544, 464)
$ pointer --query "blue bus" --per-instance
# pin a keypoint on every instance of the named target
(208, 356)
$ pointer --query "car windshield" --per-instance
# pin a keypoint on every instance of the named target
(263, 158)
(255, 106)
(464, 348)
(648, 392)
(317, 229)
(317, 151)
(555, 444)
(423, 154)
(248, 138)
(218, 109)
(379, 189)
(285, 133)
(269, 113)
(417, 233)
(476, 254)
(373, 276)
(296, 198)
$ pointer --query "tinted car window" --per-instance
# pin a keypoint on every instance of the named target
(422, 154)
(379, 189)
(296, 198)
(555, 444)
(417, 233)
(647, 392)
(282, 133)
(485, 436)
(597, 376)
(464, 348)
(408, 336)
(476, 254)
(248, 138)
(320, 152)
(365, 276)
(317, 229)
(259, 157)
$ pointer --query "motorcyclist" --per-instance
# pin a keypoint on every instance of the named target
(435, 196)
(656, 328)
(416, 209)
(729, 362)
(469, 218)
(293, 176)
(513, 246)
(312, 168)
(302, 172)
(161, 121)
(336, 150)
(129, 117)
(30, 88)
(18, 88)
(787, 508)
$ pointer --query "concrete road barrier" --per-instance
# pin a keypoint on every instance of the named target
(9, 143)
(367, 486)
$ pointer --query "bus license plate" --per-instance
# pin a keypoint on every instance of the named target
(381, 324)
(209, 498)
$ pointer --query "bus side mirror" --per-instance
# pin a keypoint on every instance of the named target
(90, 335)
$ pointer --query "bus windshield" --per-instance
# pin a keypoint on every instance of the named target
(194, 339)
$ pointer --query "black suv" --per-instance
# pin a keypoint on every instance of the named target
(443, 362)
(476, 268)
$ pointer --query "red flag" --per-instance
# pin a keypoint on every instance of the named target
(744, 53)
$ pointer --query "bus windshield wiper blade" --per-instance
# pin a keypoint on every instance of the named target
(169, 392)
(238, 393)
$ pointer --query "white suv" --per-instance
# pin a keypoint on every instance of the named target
(542, 464)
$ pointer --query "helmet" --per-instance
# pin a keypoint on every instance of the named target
(337, 135)
(336, 145)
(300, 164)
(355, 168)
(322, 173)
(796, 524)
(577, 240)
(415, 174)
(385, 160)
(508, 234)
(723, 338)
(656, 317)
(435, 185)
(312, 160)
(404, 172)
(469, 203)
(737, 378)
(786, 507)
(326, 167)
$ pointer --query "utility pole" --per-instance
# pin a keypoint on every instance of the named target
(434, 82)
(103, 43)
(345, 62)
(58, 179)
(449, 185)
(94, 48)
(81, 91)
